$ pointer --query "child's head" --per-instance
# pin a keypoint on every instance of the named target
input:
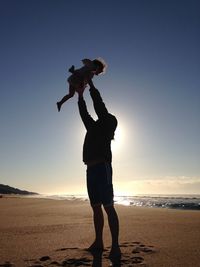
(100, 66)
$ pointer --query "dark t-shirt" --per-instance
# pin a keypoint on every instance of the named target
(97, 143)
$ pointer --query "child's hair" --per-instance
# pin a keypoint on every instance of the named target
(100, 63)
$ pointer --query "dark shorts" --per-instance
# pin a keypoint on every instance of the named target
(99, 184)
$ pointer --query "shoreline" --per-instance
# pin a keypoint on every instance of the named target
(177, 202)
(32, 228)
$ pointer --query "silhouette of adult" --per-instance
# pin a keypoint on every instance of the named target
(97, 156)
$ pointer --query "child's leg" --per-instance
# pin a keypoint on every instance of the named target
(90, 82)
(66, 97)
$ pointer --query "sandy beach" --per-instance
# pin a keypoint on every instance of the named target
(44, 232)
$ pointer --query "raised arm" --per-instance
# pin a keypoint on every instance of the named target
(98, 103)
(85, 116)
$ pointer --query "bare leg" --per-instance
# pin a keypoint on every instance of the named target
(66, 97)
(90, 82)
(98, 226)
(113, 222)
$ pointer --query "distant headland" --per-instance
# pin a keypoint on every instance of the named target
(6, 189)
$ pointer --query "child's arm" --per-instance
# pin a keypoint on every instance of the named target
(72, 69)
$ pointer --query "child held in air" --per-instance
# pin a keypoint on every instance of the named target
(82, 77)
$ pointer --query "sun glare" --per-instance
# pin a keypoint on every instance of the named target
(118, 141)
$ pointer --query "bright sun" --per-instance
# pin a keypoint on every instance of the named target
(118, 141)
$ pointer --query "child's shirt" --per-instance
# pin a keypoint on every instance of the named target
(80, 77)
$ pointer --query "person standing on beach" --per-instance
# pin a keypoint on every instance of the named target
(97, 156)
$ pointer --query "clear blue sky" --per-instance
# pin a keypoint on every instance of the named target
(152, 85)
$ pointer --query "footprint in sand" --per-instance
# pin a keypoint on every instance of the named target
(7, 264)
(80, 257)
(45, 258)
(136, 250)
(77, 262)
(55, 263)
(147, 249)
(62, 249)
(37, 265)
(137, 260)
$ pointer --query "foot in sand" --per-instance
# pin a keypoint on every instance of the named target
(96, 246)
(115, 254)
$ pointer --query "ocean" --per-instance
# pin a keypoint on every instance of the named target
(184, 202)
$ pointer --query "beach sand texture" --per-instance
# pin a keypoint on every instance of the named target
(44, 232)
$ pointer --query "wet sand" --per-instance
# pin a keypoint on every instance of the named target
(44, 232)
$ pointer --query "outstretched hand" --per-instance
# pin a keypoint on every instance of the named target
(81, 89)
